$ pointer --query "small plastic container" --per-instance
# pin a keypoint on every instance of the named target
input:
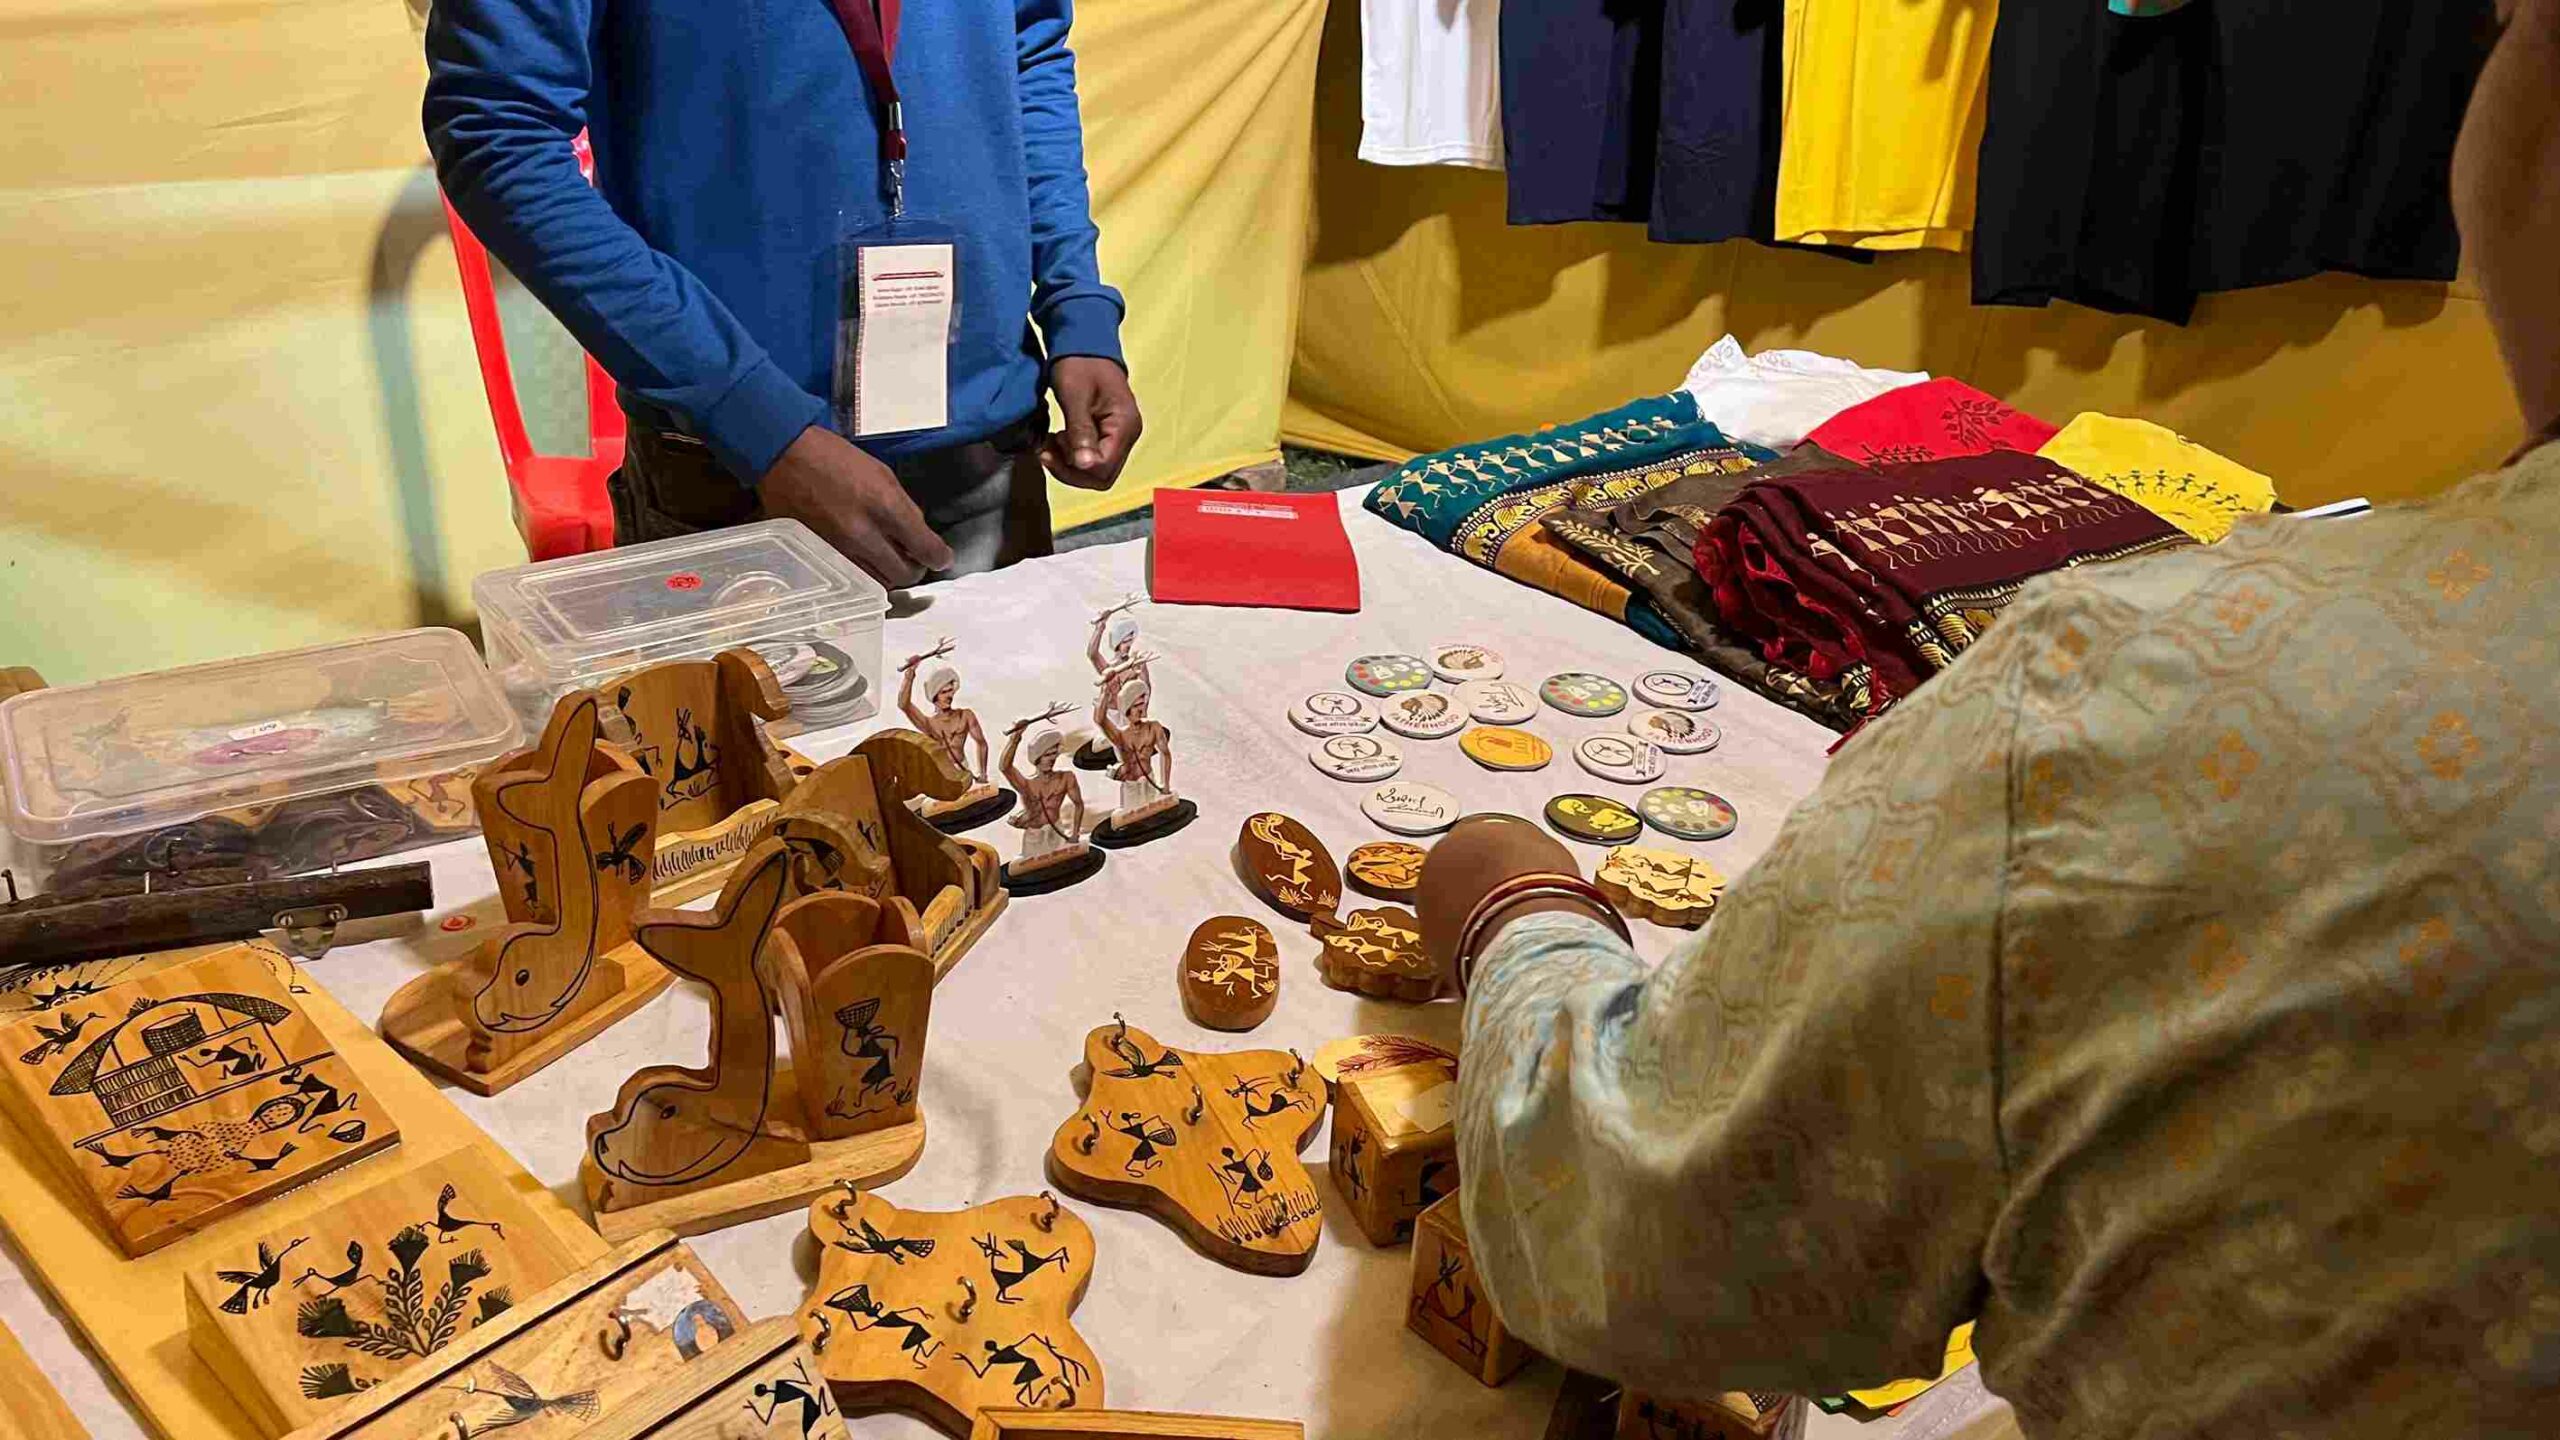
(274, 764)
(774, 586)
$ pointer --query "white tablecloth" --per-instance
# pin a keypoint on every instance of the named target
(1175, 1331)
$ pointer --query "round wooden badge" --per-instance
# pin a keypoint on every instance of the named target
(1361, 759)
(1498, 702)
(1388, 869)
(1426, 715)
(1283, 862)
(1496, 748)
(1333, 712)
(1687, 813)
(1676, 731)
(1579, 692)
(1377, 953)
(1409, 807)
(1387, 674)
(1460, 663)
(1595, 818)
(1678, 690)
(1230, 973)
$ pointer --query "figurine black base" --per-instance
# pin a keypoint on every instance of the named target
(1154, 827)
(1094, 755)
(970, 817)
(1055, 877)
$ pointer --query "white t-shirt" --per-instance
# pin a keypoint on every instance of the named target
(1778, 397)
(1431, 82)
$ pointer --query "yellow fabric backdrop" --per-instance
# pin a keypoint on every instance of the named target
(238, 405)
(1427, 322)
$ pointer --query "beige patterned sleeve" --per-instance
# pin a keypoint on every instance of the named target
(1773, 1161)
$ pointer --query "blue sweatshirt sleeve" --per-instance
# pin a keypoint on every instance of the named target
(1076, 312)
(507, 87)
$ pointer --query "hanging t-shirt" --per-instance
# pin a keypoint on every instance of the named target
(2163, 471)
(1883, 106)
(1778, 397)
(1431, 82)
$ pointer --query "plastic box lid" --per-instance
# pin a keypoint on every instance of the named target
(670, 599)
(114, 757)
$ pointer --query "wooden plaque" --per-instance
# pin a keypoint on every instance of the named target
(1448, 1305)
(1288, 866)
(1378, 953)
(1229, 973)
(1395, 1146)
(944, 1313)
(1663, 886)
(300, 1316)
(1207, 1142)
(1128, 1425)
(186, 1096)
(1387, 869)
(762, 1385)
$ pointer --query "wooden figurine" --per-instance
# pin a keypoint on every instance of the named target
(1377, 953)
(296, 1319)
(1112, 649)
(1229, 974)
(1055, 853)
(1142, 761)
(1207, 1142)
(857, 995)
(962, 741)
(176, 1100)
(570, 827)
(1735, 1415)
(1449, 1306)
(1283, 862)
(850, 826)
(1663, 886)
(694, 1149)
(1387, 869)
(1013, 1424)
(1395, 1146)
(563, 1356)
(696, 727)
(762, 1385)
(946, 1312)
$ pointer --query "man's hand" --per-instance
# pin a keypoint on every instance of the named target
(1102, 422)
(1477, 854)
(856, 504)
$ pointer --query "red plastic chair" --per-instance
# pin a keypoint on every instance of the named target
(559, 500)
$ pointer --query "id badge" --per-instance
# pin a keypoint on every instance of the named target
(898, 310)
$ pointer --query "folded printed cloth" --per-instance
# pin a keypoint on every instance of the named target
(1777, 397)
(1877, 578)
(2168, 474)
(1935, 420)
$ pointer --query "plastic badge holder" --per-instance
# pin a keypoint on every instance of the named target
(273, 764)
(585, 620)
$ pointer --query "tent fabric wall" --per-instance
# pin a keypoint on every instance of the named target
(238, 405)
(1427, 322)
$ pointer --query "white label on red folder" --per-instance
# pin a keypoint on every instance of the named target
(1249, 512)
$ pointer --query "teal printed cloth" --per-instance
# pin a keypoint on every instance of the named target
(1433, 495)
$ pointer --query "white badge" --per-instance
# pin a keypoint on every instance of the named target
(902, 339)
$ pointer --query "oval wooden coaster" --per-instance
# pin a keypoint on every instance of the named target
(1663, 886)
(1676, 731)
(1622, 758)
(1377, 953)
(1595, 818)
(1388, 869)
(1460, 663)
(1409, 807)
(1498, 702)
(1497, 748)
(1230, 973)
(1360, 759)
(1284, 863)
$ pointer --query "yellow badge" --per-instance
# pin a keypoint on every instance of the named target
(1499, 748)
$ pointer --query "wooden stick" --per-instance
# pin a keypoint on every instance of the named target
(43, 932)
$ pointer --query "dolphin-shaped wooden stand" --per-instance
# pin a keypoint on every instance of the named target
(745, 1136)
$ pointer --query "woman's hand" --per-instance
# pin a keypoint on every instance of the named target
(1477, 854)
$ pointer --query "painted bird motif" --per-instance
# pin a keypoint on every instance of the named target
(519, 1402)
(149, 1197)
(344, 1278)
(57, 1038)
(254, 1284)
(447, 1224)
(271, 1162)
(895, 1248)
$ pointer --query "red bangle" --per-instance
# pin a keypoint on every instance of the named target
(1537, 885)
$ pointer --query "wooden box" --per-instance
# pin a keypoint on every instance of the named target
(298, 1317)
(1015, 1424)
(1736, 1415)
(1395, 1146)
(1449, 1306)
(763, 1385)
(174, 1100)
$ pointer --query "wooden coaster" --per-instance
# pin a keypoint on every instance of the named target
(1384, 675)
(1595, 818)
(1333, 712)
(1229, 974)
(1579, 692)
(1622, 758)
(1678, 690)
(1498, 702)
(1358, 759)
(1499, 748)
(1388, 869)
(1283, 862)
(1663, 886)
(1686, 813)
(1355, 1054)
(1409, 807)
(1676, 731)
(1458, 664)
(1377, 953)
(1424, 715)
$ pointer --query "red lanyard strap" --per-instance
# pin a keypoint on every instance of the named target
(871, 28)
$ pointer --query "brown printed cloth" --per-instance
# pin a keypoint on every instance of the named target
(1509, 535)
(1647, 541)
(1887, 574)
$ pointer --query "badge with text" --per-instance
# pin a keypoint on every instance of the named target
(901, 292)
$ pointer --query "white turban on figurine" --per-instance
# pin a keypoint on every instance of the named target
(1124, 631)
(1044, 744)
(939, 679)
(1132, 695)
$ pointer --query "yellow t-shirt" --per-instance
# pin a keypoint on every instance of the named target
(1882, 121)
(2163, 471)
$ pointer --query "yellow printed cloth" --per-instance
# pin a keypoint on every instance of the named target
(1883, 103)
(2163, 471)
(2173, 983)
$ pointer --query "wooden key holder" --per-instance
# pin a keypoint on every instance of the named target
(570, 825)
(691, 1149)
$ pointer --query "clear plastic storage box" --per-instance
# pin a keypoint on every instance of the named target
(774, 586)
(273, 764)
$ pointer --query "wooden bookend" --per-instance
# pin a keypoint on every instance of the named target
(1735, 1415)
(1449, 1306)
(763, 1385)
(563, 1356)
(954, 884)
(1018, 1424)
(1395, 1146)
(696, 728)
(696, 1149)
(176, 1100)
(298, 1318)
(1376, 953)
(1663, 886)
(1207, 1142)
(1283, 862)
(856, 1011)
(1229, 973)
(945, 1312)
(571, 830)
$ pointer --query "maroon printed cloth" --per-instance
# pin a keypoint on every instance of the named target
(1934, 420)
(1875, 578)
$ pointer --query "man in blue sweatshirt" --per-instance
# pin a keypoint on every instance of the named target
(736, 144)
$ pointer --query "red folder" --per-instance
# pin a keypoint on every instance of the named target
(1241, 547)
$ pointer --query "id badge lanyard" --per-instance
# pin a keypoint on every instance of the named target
(898, 282)
(871, 28)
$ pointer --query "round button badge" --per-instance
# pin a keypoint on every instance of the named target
(1498, 702)
(1579, 692)
(1688, 814)
(1595, 818)
(1333, 712)
(1360, 759)
(1497, 748)
(1387, 674)
(1622, 758)
(1677, 731)
(1426, 715)
(1459, 663)
(1408, 807)
(1678, 690)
